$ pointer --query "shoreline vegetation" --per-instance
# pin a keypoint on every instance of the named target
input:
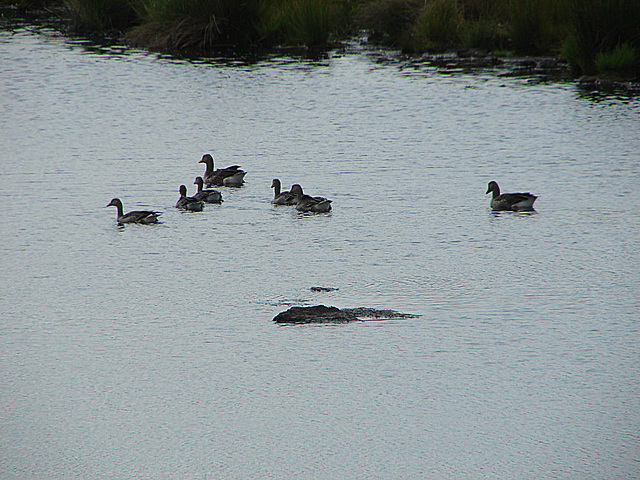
(598, 39)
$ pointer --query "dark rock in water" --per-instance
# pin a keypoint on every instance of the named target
(323, 289)
(609, 84)
(316, 314)
(322, 314)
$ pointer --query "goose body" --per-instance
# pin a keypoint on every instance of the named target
(282, 198)
(515, 202)
(231, 176)
(307, 203)
(234, 180)
(140, 216)
(208, 196)
(191, 204)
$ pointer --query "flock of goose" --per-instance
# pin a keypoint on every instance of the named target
(231, 176)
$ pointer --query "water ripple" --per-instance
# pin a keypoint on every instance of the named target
(149, 351)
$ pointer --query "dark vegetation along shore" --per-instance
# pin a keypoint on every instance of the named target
(599, 38)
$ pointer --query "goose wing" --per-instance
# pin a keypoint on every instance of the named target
(228, 171)
(307, 203)
(514, 201)
(285, 198)
(209, 196)
(140, 216)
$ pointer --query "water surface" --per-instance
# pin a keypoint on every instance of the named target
(149, 351)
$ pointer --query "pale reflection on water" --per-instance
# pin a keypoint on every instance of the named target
(149, 352)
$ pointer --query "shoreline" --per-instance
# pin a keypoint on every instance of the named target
(539, 68)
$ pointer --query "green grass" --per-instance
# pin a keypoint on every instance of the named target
(536, 26)
(600, 27)
(101, 15)
(194, 25)
(439, 24)
(202, 25)
(312, 21)
(622, 60)
(594, 35)
(300, 22)
(484, 34)
(523, 26)
(389, 22)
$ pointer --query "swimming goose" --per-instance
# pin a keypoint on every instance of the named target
(307, 203)
(188, 203)
(140, 216)
(208, 196)
(510, 201)
(231, 176)
(282, 198)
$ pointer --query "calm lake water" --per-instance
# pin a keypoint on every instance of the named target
(150, 351)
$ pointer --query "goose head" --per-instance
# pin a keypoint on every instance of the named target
(199, 182)
(115, 202)
(493, 187)
(296, 190)
(208, 159)
(277, 186)
(183, 191)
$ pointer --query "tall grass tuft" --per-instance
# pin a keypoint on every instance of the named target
(595, 35)
(272, 19)
(494, 10)
(101, 15)
(526, 26)
(623, 60)
(484, 34)
(389, 22)
(600, 26)
(211, 24)
(197, 25)
(538, 26)
(439, 24)
(310, 22)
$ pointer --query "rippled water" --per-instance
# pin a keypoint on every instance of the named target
(150, 351)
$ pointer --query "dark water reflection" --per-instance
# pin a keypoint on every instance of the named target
(149, 352)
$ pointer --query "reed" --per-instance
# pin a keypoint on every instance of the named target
(623, 60)
(101, 15)
(272, 20)
(312, 21)
(601, 26)
(594, 35)
(526, 26)
(538, 26)
(194, 25)
(439, 24)
(212, 24)
(389, 22)
(301, 22)
(484, 34)
(495, 10)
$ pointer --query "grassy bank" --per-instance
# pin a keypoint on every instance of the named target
(595, 36)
